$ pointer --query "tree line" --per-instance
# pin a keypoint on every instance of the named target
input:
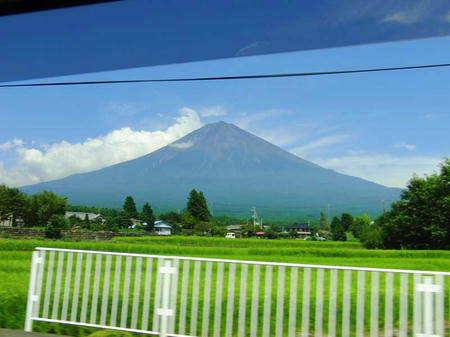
(419, 220)
(46, 209)
(36, 209)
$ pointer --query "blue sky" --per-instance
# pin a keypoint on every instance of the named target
(379, 126)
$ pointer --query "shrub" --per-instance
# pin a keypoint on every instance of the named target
(371, 236)
(54, 227)
(271, 234)
(5, 235)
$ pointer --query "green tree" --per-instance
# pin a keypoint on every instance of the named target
(346, 221)
(193, 203)
(337, 230)
(148, 216)
(188, 221)
(39, 208)
(171, 217)
(370, 235)
(12, 203)
(56, 224)
(202, 228)
(197, 206)
(270, 234)
(74, 220)
(97, 224)
(86, 222)
(249, 231)
(360, 223)
(129, 207)
(338, 233)
(421, 219)
(205, 214)
(323, 223)
(335, 223)
(123, 220)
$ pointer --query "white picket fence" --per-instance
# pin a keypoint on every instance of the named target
(185, 296)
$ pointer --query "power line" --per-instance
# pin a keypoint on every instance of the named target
(220, 78)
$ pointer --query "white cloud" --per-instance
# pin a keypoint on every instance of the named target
(405, 146)
(9, 145)
(318, 144)
(6, 146)
(213, 111)
(18, 142)
(383, 169)
(181, 145)
(59, 160)
(410, 15)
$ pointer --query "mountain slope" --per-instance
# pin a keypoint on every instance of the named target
(235, 169)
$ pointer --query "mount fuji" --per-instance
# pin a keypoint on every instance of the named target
(235, 169)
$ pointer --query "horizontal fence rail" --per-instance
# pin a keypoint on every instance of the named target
(186, 296)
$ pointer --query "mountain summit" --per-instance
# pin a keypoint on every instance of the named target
(235, 170)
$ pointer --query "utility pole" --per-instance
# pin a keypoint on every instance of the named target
(255, 218)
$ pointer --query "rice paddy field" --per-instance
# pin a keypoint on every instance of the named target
(15, 258)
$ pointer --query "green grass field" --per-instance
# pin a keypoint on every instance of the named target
(15, 256)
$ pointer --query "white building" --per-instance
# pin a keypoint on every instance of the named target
(162, 228)
(82, 215)
(6, 223)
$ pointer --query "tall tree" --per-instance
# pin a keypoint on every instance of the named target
(86, 221)
(335, 223)
(346, 221)
(147, 215)
(360, 224)
(12, 203)
(323, 223)
(193, 203)
(41, 207)
(205, 214)
(338, 233)
(337, 230)
(129, 207)
(421, 219)
(197, 206)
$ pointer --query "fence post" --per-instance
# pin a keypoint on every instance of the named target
(165, 311)
(428, 320)
(32, 297)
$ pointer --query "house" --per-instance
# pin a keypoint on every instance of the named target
(135, 222)
(300, 229)
(6, 222)
(162, 228)
(9, 222)
(237, 229)
(82, 216)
